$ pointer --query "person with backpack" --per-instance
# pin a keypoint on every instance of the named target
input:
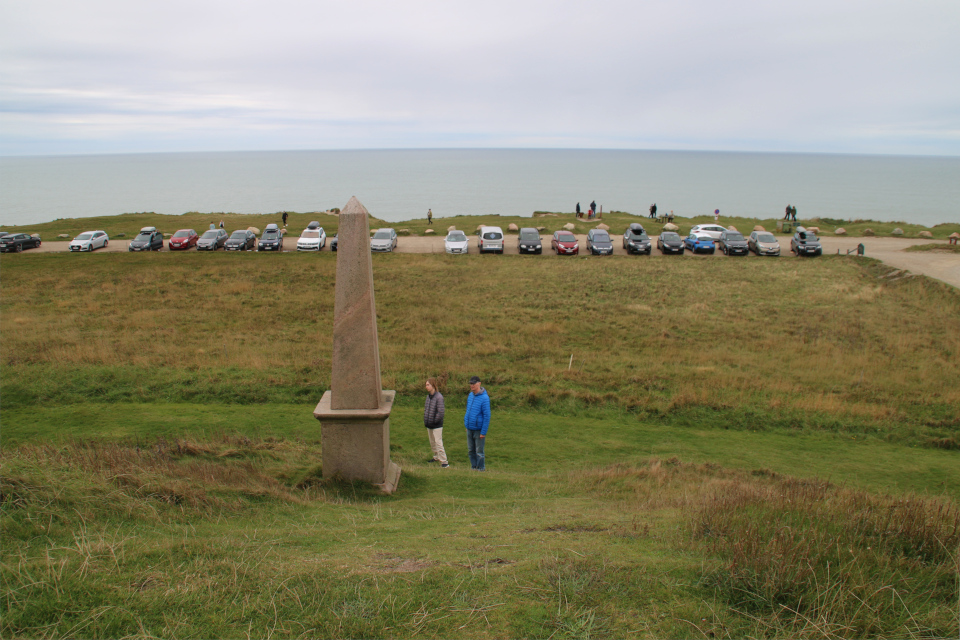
(477, 421)
(433, 411)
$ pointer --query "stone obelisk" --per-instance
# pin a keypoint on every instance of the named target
(354, 414)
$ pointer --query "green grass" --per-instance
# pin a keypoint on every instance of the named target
(752, 448)
(130, 223)
(935, 247)
(747, 344)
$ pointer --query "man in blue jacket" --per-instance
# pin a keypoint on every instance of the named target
(477, 421)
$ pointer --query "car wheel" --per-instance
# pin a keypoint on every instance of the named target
(19, 248)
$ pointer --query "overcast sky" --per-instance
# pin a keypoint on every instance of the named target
(104, 76)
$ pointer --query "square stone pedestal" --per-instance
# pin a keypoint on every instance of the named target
(356, 442)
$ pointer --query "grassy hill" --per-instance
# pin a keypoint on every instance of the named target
(740, 448)
(129, 223)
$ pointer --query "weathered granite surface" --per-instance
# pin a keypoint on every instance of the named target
(356, 353)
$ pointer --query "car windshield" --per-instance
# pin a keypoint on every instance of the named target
(736, 237)
(492, 235)
(310, 234)
(143, 237)
(808, 237)
(381, 235)
(669, 236)
(210, 235)
(530, 236)
(84, 236)
(457, 236)
(271, 235)
(601, 236)
(703, 238)
(766, 237)
(238, 235)
(566, 237)
(637, 235)
(183, 233)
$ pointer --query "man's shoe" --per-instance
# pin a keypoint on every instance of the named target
(444, 466)
(433, 460)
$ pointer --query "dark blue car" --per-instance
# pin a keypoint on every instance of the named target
(699, 244)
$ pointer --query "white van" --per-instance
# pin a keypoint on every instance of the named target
(490, 240)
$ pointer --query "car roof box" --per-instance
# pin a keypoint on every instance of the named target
(272, 227)
(313, 225)
(148, 230)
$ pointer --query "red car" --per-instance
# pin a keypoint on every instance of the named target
(183, 239)
(565, 243)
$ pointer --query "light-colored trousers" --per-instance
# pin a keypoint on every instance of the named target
(436, 444)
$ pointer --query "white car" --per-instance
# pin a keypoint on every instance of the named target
(712, 230)
(384, 240)
(313, 238)
(491, 239)
(89, 240)
(456, 242)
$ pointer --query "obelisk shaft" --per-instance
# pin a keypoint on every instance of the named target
(356, 354)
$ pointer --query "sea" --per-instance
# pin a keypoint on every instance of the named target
(397, 185)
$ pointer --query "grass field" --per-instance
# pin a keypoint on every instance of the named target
(741, 448)
(128, 224)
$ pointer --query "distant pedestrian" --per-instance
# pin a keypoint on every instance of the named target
(593, 208)
(477, 421)
(429, 216)
(653, 211)
(433, 411)
(221, 224)
(284, 218)
(212, 226)
(793, 212)
(716, 215)
(578, 209)
(670, 217)
(786, 216)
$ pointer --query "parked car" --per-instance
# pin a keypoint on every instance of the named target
(456, 242)
(384, 240)
(149, 239)
(764, 243)
(732, 243)
(599, 243)
(528, 241)
(711, 230)
(334, 242)
(804, 243)
(272, 239)
(89, 240)
(241, 240)
(670, 242)
(183, 239)
(636, 240)
(313, 238)
(212, 240)
(490, 240)
(699, 243)
(565, 243)
(18, 242)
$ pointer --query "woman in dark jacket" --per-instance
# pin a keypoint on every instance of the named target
(433, 421)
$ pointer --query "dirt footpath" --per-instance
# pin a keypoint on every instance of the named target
(942, 266)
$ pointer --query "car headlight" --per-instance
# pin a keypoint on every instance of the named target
(539, 246)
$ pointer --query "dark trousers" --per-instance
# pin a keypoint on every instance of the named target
(475, 449)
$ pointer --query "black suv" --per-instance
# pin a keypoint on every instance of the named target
(528, 241)
(732, 243)
(804, 243)
(18, 242)
(149, 239)
(636, 240)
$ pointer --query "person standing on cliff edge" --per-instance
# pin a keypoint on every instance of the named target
(429, 216)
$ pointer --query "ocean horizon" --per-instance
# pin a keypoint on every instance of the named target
(401, 184)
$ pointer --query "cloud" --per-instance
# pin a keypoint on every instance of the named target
(121, 76)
